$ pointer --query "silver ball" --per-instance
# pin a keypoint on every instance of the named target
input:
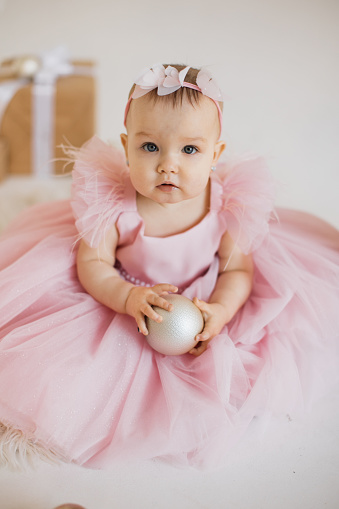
(175, 334)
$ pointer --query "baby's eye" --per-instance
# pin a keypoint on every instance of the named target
(150, 147)
(189, 149)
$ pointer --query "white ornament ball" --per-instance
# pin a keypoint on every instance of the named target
(175, 334)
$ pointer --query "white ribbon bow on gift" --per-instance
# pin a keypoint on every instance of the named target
(47, 69)
(54, 63)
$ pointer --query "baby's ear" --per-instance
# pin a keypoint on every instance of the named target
(124, 141)
(218, 150)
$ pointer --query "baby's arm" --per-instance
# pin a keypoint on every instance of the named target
(232, 289)
(100, 279)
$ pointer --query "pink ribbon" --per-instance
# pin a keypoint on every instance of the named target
(170, 79)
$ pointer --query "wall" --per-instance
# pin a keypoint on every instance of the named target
(276, 60)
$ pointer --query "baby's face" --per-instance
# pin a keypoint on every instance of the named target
(171, 149)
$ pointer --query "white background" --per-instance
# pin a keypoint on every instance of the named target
(277, 60)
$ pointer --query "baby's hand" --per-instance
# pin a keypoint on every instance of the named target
(141, 299)
(214, 316)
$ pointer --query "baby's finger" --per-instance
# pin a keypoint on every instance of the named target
(156, 300)
(203, 336)
(211, 329)
(164, 288)
(199, 349)
(201, 304)
(140, 319)
(148, 311)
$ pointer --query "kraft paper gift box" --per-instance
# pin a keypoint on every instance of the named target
(53, 106)
(3, 157)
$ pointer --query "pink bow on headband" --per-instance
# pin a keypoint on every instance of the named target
(170, 79)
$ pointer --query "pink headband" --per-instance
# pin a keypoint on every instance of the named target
(169, 80)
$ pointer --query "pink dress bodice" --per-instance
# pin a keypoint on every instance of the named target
(177, 259)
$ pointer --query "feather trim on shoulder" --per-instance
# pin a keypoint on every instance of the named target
(247, 200)
(97, 189)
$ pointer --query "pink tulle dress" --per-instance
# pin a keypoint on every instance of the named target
(78, 381)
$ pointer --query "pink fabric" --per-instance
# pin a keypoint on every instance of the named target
(82, 380)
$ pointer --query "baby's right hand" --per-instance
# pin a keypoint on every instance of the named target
(141, 299)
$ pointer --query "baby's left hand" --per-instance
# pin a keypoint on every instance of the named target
(214, 316)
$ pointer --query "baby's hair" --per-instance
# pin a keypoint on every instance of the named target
(177, 97)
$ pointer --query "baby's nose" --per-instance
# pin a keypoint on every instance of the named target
(167, 165)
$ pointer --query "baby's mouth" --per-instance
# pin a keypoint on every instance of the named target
(167, 186)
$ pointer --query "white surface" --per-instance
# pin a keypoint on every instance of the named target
(294, 465)
(17, 193)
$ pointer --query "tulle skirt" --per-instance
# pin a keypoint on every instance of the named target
(79, 383)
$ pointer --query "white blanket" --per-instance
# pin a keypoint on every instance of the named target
(18, 193)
